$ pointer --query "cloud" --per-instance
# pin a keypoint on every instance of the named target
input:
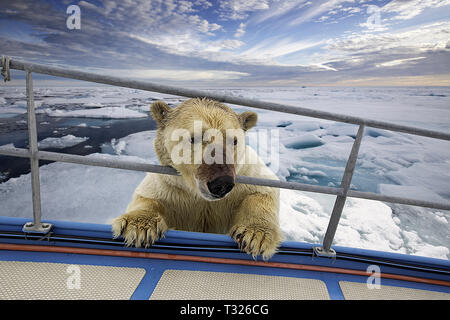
(423, 38)
(408, 52)
(398, 62)
(173, 74)
(203, 25)
(338, 13)
(240, 30)
(265, 52)
(156, 16)
(190, 45)
(317, 9)
(240, 9)
(405, 10)
(280, 8)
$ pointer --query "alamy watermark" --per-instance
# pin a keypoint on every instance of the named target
(374, 279)
(73, 21)
(373, 22)
(73, 281)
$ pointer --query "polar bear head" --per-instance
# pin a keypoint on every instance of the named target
(204, 140)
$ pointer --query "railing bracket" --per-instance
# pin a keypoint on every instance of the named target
(320, 252)
(43, 228)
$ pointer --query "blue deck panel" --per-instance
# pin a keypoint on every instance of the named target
(187, 243)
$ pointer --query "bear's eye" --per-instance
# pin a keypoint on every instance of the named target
(235, 141)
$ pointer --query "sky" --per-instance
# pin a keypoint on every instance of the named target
(237, 42)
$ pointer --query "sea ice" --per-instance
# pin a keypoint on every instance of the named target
(302, 142)
(102, 113)
(62, 142)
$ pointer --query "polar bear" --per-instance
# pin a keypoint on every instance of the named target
(204, 197)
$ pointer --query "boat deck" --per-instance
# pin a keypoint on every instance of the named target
(81, 261)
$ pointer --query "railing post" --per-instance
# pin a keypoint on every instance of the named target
(326, 249)
(36, 225)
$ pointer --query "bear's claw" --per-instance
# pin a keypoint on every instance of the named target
(139, 229)
(256, 240)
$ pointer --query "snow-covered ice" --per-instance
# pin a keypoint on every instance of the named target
(310, 151)
(60, 143)
(72, 192)
(308, 140)
(102, 113)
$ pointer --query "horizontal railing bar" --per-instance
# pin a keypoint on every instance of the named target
(15, 152)
(72, 158)
(146, 167)
(399, 200)
(129, 165)
(288, 185)
(154, 87)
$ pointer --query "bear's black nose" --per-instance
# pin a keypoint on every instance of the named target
(220, 186)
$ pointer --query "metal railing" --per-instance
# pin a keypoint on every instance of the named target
(342, 192)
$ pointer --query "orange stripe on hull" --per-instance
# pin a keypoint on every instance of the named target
(165, 256)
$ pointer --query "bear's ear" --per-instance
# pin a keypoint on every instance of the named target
(159, 111)
(248, 120)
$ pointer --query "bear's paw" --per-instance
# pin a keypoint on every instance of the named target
(139, 229)
(256, 239)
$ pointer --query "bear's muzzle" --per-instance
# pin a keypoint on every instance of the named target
(215, 181)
